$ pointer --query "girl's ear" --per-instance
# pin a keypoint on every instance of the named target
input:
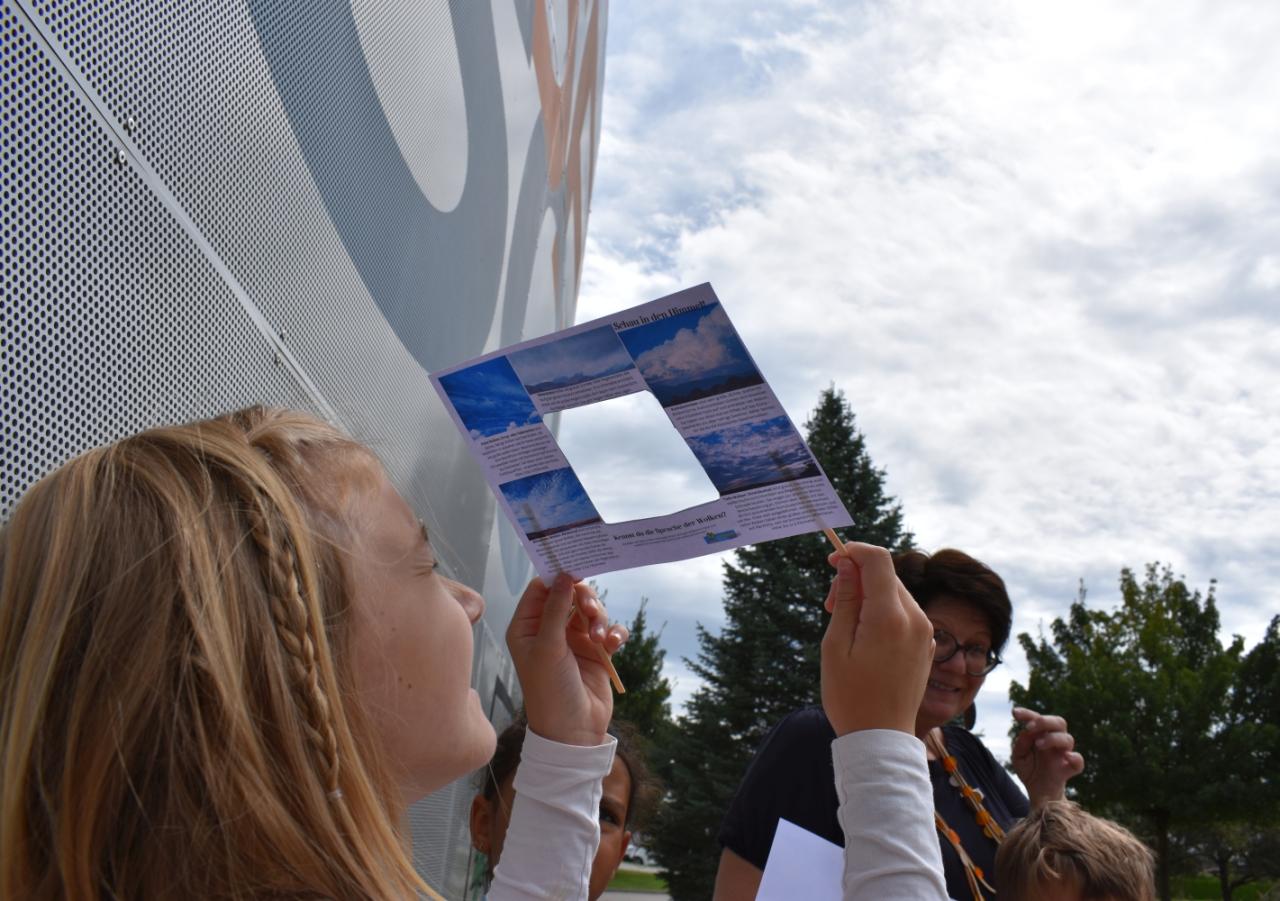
(481, 818)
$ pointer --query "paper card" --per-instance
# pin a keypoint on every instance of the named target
(801, 865)
(683, 349)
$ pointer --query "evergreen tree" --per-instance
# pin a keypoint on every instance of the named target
(764, 663)
(1147, 690)
(646, 704)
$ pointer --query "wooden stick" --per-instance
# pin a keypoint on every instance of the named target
(834, 539)
(604, 656)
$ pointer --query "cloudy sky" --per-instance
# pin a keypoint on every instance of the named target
(577, 358)
(548, 500)
(489, 398)
(698, 348)
(1037, 245)
(753, 453)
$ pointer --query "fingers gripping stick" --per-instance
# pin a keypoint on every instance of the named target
(574, 611)
(602, 654)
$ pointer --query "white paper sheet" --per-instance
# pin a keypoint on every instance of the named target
(801, 865)
(684, 349)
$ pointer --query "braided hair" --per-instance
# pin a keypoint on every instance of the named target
(173, 674)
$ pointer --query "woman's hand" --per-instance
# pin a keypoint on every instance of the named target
(1044, 755)
(878, 646)
(566, 686)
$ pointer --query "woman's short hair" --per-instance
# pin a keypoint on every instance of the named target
(952, 573)
(174, 718)
(1061, 843)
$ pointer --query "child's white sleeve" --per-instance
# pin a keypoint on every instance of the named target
(555, 821)
(886, 811)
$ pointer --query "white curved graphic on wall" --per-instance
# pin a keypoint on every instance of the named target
(413, 60)
(540, 316)
(558, 18)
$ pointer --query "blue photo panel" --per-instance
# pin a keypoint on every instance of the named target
(549, 502)
(570, 361)
(754, 454)
(691, 356)
(489, 398)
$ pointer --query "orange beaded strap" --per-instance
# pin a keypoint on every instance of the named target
(990, 828)
(972, 871)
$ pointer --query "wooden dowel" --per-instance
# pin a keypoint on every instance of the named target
(603, 655)
(613, 673)
(834, 539)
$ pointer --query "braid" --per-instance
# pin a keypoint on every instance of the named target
(295, 628)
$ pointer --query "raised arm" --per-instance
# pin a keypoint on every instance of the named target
(1044, 756)
(876, 656)
(555, 828)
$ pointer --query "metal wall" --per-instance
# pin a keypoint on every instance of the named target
(211, 204)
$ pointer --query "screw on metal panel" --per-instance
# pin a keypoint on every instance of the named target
(118, 156)
(278, 360)
(131, 124)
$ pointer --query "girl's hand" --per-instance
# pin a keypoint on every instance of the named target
(566, 687)
(1044, 755)
(878, 647)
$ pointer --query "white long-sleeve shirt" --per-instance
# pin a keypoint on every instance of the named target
(555, 821)
(886, 811)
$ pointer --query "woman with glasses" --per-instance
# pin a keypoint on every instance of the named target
(974, 799)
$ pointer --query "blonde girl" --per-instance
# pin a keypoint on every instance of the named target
(227, 665)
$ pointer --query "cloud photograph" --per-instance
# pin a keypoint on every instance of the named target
(753, 454)
(691, 356)
(549, 502)
(489, 398)
(569, 361)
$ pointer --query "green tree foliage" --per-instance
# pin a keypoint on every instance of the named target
(1238, 853)
(1255, 707)
(1150, 693)
(646, 705)
(764, 663)
(1242, 845)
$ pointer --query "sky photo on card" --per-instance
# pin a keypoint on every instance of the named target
(489, 398)
(578, 358)
(549, 502)
(691, 356)
(753, 454)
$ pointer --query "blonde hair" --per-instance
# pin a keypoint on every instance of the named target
(176, 718)
(1060, 842)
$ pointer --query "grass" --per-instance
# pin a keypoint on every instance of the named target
(1196, 888)
(635, 881)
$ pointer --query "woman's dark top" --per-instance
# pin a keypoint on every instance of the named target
(791, 778)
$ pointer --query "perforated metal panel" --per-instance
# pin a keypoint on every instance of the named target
(112, 318)
(208, 204)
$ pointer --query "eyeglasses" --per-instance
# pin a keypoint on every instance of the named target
(978, 659)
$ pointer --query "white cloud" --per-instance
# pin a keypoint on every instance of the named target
(690, 351)
(1035, 245)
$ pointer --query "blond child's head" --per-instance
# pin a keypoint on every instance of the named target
(1062, 853)
(211, 639)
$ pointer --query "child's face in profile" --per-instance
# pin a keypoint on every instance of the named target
(489, 821)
